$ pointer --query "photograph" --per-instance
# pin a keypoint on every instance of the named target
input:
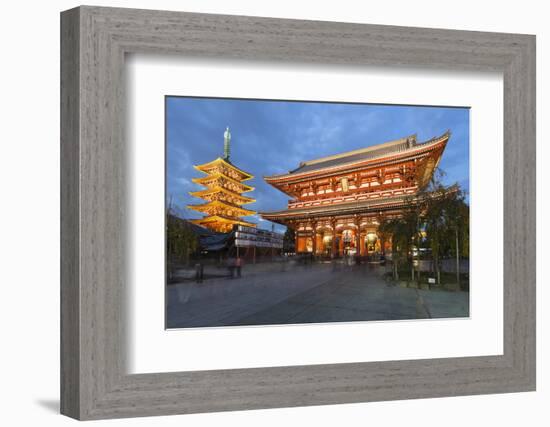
(299, 212)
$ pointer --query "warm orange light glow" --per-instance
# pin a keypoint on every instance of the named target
(220, 166)
(223, 194)
(354, 191)
(216, 192)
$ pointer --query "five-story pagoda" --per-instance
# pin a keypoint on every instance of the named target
(223, 194)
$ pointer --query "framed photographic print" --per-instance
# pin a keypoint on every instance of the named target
(361, 219)
(262, 213)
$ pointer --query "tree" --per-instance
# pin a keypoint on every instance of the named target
(442, 213)
(457, 215)
(446, 220)
(435, 194)
(400, 231)
(181, 241)
(405, 234)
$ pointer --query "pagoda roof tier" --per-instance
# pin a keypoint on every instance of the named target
(215, 206)
(215, 165)
(220, 193)
(370, 157)
(221, 223)
(220, 179)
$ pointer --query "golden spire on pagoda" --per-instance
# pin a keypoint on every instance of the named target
(223, 193)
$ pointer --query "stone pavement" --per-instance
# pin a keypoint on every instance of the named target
(306, 294)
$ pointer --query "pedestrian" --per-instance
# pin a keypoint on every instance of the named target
(231, 267)
(238, 265)
(199, 272)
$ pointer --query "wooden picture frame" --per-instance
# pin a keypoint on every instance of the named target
(94, 41)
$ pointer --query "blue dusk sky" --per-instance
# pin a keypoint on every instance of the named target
(272, 137)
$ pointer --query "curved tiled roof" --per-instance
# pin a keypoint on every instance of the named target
(353, 156)
(400, 146)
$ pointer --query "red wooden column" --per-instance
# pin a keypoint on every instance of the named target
(333, 250)
(314, 237)
(358, 235)
(381, 236)
(296, 226)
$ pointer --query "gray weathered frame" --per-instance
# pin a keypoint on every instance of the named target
(94, 41)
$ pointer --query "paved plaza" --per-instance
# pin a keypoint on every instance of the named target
(269, 294)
